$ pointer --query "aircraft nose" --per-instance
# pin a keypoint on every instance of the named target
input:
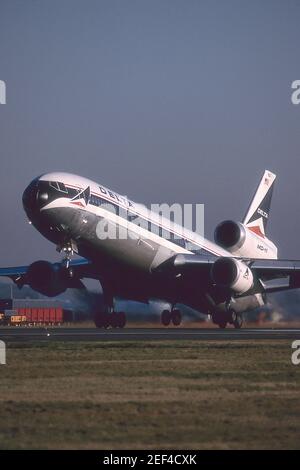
(35, 196)
(30, 202)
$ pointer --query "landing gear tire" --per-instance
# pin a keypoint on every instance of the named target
(121, 319)
(176, 317)
(230, 316)
(165, 317)
(99, 319)
(113, 319)
(237, 320)
(173, 316)
(220, 319)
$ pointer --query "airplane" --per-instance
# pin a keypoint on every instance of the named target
(157, 259)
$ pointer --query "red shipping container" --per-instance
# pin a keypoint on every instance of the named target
(28, 313)
(59, 315)
(34, 315)
(46, 315)
(40, 315)
(43, 315)
(52, 315)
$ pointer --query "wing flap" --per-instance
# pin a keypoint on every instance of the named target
(185, 262)
(270, 269)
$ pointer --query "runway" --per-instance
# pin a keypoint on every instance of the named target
(22, 334)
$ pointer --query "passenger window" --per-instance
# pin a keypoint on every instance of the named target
(131, 216)
(109, 207)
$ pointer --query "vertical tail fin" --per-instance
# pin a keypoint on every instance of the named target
(257, 215)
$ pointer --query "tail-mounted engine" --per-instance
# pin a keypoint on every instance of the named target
(242, 241)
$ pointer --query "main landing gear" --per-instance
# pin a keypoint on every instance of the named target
(171, 316)
(107, 317)
(110, 319)
(230, 317)
(237, 320)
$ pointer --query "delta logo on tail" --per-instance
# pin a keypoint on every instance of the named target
(257, 216)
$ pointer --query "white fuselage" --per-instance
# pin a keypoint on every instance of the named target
(147, 238)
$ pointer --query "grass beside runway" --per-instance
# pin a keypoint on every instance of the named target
(202, 395)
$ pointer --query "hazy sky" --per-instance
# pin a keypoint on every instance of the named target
(165, 101)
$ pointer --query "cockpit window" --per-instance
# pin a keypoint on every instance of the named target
(58, 186)
(54, 185)
(62, 187)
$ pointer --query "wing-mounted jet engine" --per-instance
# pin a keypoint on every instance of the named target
(50, 279)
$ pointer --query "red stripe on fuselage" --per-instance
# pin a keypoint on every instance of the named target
(77, 203)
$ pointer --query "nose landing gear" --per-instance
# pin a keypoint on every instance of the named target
(68, 249)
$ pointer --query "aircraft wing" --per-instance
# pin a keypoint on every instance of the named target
(275, 275)
(81, 268)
